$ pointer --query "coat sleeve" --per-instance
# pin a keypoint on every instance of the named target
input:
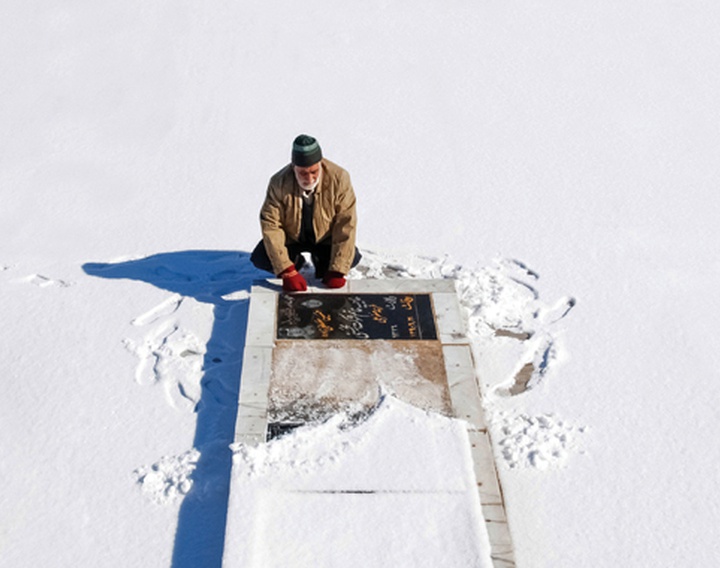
(273, 231)
(342, 252)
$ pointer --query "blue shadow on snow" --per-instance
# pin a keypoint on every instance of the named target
(205, 276)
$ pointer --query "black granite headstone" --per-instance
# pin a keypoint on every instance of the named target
(355, 316)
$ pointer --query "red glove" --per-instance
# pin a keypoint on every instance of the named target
(334, 279)
(293, 281)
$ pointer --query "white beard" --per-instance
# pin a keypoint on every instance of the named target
(309, 186)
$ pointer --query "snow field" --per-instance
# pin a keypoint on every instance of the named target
(580, 139)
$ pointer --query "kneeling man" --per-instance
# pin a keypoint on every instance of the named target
(309, 207)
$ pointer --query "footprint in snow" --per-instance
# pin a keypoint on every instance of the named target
(164, 308)
(45, 282)
(552, 314)
(539, 355)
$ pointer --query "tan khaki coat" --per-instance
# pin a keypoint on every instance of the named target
(334, 216)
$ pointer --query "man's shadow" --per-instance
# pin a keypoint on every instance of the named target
(206, 276)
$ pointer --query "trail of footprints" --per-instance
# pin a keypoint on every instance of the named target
(170, 356)
(514, 325)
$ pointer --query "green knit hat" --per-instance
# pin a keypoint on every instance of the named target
(306, 151)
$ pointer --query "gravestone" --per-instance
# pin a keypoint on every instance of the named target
(311, 355)
(336, 352)
(356, 316)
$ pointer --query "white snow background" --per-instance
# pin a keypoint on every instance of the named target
(580, 139)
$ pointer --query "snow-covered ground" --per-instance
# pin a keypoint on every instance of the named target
(541, 151)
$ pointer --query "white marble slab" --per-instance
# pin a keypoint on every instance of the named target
(450, 323)
(261, 318)
(251, 422)
(395, 286)
(368, 286)
(464, 391)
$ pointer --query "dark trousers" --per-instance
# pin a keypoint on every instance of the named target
(319, 252)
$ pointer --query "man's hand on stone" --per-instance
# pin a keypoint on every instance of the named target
(292, 280)
(334, 279)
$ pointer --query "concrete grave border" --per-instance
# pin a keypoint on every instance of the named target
(252, 418)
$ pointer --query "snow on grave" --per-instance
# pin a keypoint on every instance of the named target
(319, 369)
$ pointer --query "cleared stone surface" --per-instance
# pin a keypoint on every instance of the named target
(312, 380)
